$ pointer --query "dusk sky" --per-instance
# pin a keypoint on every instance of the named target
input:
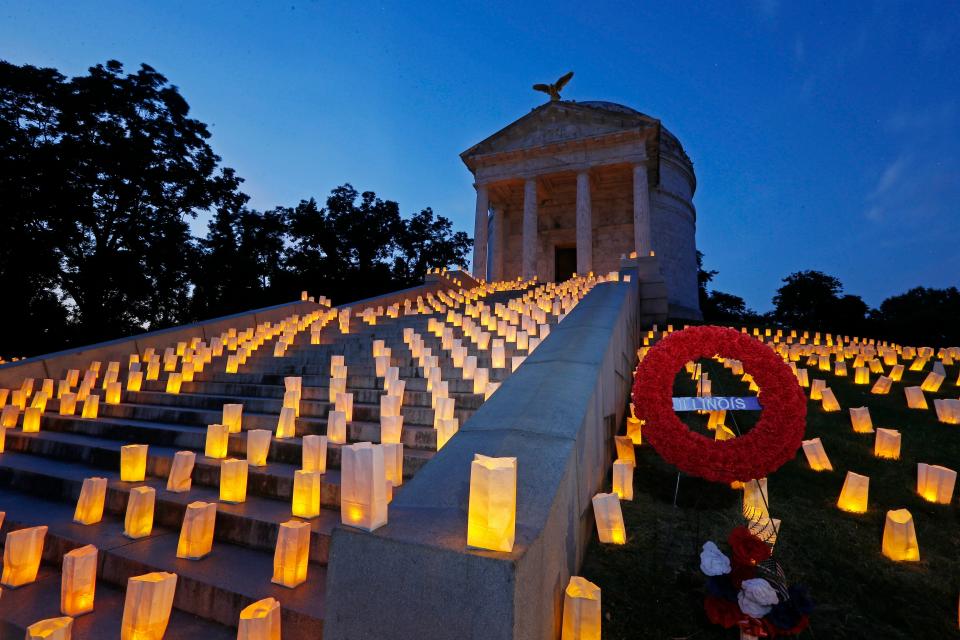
(824, 136)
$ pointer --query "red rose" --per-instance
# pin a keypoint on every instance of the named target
(747, 548)
(723, 612)
(741, 572)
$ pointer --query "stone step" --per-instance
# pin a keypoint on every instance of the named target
(180, 437)
(320, 381)
(253, 524)
(215, 588)
(41, 600)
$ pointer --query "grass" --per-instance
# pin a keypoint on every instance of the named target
(652, 586)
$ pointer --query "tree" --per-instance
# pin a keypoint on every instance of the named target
(921, 316)
(426, 242)
(241, 260)
(31, 179)
(807, 300)
(704, 278)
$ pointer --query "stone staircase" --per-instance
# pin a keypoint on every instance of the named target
(41, 475)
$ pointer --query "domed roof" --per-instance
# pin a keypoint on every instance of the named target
(611, 106)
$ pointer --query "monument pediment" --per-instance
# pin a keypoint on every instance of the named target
(558, 122)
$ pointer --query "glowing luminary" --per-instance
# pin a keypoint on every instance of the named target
(492, 509)
(861, 375)
(625, 449)
(218, 436)
(816, 455)
(887, 444)
(291, 556)
(446, 428)
(756, 500)
(314, 453)
(9, 416)
(860, 419)
(882, 386)
(393, 463)
(196, 533)
(21, 556)
(138, 520)
(31, 419)
(286, 424)
(3, 438)
(133, 462)
(932, 382)
(68, 404)
(363, 500)
(147, 606)
(609, 518)
(233, 364)
(623, 479)
(232, 417)
(258, 446)
(444, 410)
(581, 610)
(260, 621)
(829, 401)
(174, 380)
(93, 493)
(337, 427)
(344, 404)
(816, 389)
(233, 481)
(391, 429)
(936, 483)
(714, 418)
(307, 486)
(480, 379)
(853, 496)
(915, 398)
(78, 581)
(91, 407)
(51, 629)
(390, 406)
(900, 537)
(179, 479)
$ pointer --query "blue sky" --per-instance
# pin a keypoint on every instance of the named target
(824, 135)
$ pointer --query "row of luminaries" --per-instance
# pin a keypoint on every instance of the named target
(368, 474)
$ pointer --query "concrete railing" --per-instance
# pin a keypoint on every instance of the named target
(416, 578)
(55, 365)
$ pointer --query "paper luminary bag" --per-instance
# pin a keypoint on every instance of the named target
(816, 389)
(881, 386)
(31, 419)
(133, 462)
(623, 479)
(138, 520)
(215, 446)
(314, 453)
(609, 518)
(51, 629)
(291, 556)
(756, 499)
(625, 449)
(900, 537)
(492, 512)
(291, 400)
(147, 606)
(93, 494)
(258, 446)
(232, 417)
(233, 481)
(307, 486)
(363, 499)
(344, 404)
(816, 455)
(581, 610)
(936, 483)
(390, 406)
(446, 428)
(915, 398)
(21, 556)
(829, 401)
(393, 463)
(196, 532)
(391, 429)
(887, 444)
(260, 621)
(134, 380)
(444, 410)
(180, 478)
(337, 427)
(286, 424)
(853, 495)
(860, 419)
(78, 581)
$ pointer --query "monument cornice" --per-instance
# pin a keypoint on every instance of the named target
(549, 149)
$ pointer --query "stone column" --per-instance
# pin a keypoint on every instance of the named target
(584, 225)
(497, 243)
(480, 233)
(529, 228)
(642, 239)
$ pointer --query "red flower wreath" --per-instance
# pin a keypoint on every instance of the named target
(772, 441)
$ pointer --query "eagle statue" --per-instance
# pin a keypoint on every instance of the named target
(553, 90)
